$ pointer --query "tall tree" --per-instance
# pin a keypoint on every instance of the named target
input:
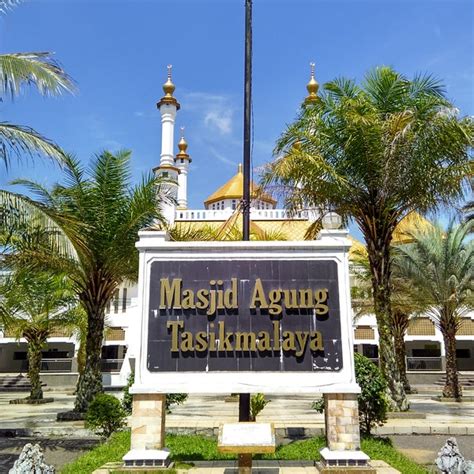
(100, 213)
(375, 153)
(405, 302)
(439, 264)
(33, 306)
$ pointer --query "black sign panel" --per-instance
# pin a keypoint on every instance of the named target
(244, 315)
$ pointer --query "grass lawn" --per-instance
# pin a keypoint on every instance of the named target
(197, 448)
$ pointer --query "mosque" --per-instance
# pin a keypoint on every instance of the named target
(220, 219)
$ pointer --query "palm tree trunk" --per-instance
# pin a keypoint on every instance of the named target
(451, 389)
(34, 367)
(400, 324)
(90, 381)
(378, 240)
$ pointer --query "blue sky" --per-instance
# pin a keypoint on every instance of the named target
(117, 52)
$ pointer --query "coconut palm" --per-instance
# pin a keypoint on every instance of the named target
(374, 153)
(18, 70)
(100, 213)
(33, 306)
(439, 264)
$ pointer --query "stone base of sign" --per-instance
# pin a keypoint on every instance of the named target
(343, 452)
(148, 432)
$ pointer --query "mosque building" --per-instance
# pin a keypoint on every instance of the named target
(220, 219)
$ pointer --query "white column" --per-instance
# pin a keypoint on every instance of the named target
(183, 186)
(168, 116)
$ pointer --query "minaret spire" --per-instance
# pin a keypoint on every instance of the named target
(312, 86)
(168, 106)
(182, 162)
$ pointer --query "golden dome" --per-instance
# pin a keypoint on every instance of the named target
(183, 146)
(168, 89)
(312, 87)
(168, 86)
(233, 189)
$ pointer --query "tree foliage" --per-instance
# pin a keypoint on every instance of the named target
(439, 264)
(375, 153)
(98, 213)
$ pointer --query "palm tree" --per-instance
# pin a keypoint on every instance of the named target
(18, 70)
(405, 303)
(375, 153)
(33, 306)
(100, 213)
(440, 266)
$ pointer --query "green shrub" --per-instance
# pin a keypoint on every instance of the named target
(127, 396)
(372, 399)
(257, 404)
(174, 399)
(105, 415)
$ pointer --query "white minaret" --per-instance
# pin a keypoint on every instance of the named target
(182, 162)
(168, 106)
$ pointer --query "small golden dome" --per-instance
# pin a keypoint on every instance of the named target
(183, 146)
(168, 86)
(312, 87)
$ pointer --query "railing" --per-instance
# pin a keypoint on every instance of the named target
(63, 364)
(424, 363)
(224, 214)
(111, 365)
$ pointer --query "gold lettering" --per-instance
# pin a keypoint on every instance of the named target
(187, 341)
(302, 338)
(175, 327)
(212, 302)
(291, 299)
(245, 341)
(201, 341)
(188, 300)
(306, 298)
(220, 295)
(258, 296)
(202, 300)
(170, 296)
(224, 338)
(274, 297)
(212, 338)
(288, 341)
(230, 296)
(276, 335)
(321, 297)
(316, 343)
(263, 343)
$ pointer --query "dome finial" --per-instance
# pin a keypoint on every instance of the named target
(239, 168)
(312, 86)
(168, 86)
(182, 144)
(183, 147)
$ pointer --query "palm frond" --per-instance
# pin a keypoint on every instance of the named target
(39, 69)
(6, 5)
(18, 141)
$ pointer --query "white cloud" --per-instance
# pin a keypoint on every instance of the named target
(221, 157)
(216, 112)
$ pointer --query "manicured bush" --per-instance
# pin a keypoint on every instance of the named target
(105, 415)
(175, 399)
(372, 399)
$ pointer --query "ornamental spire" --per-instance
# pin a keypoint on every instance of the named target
(312, 87)
(168, 89)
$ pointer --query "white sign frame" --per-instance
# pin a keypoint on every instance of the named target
(332, 245)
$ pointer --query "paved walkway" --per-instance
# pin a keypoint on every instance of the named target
(292, 417)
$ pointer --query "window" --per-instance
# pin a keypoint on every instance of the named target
(165, 174)
(116, 301)
(234, 204)
(182, 160)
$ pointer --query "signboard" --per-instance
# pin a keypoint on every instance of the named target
(243, 317)
(258, 315)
